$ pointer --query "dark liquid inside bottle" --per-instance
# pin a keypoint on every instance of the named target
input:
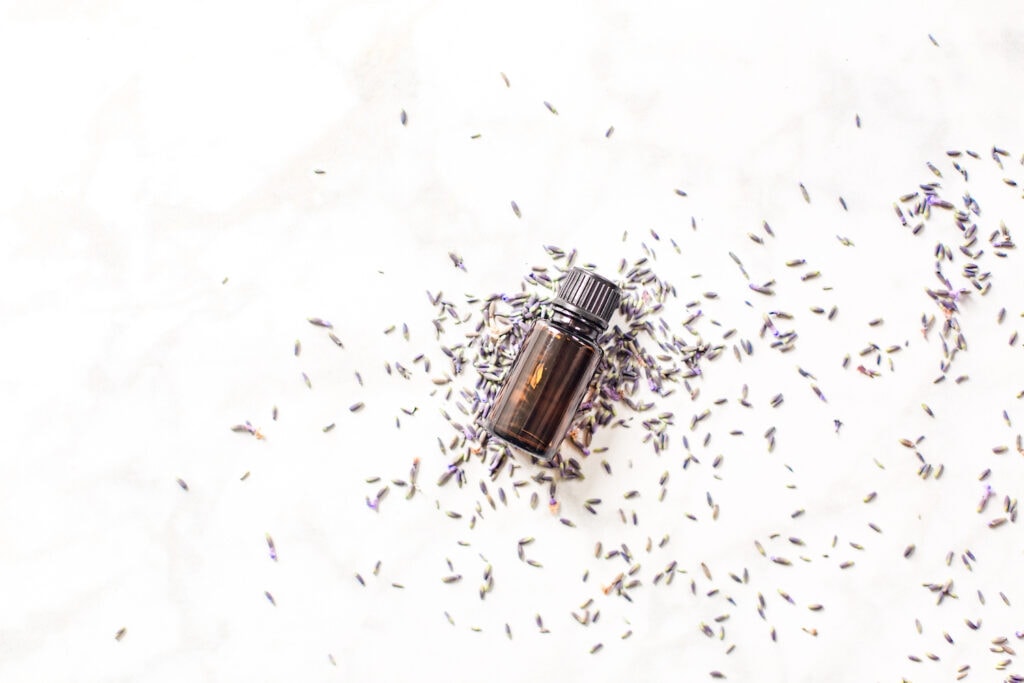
(536, 404)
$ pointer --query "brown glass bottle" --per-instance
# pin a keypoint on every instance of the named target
(535, 405)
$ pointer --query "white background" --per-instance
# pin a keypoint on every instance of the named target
(148, 153)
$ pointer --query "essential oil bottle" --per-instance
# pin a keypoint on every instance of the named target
(535, 405)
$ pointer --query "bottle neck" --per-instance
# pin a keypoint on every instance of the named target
(575, 323)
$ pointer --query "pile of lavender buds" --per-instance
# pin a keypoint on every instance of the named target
(639, 351)
(658, 352)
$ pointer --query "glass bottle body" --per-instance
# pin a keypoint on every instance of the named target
(535, 406)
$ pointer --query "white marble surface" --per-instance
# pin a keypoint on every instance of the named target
(149, 153)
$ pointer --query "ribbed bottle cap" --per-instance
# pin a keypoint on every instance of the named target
(589, 294)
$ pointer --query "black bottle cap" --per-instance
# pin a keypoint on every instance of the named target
(589, 295)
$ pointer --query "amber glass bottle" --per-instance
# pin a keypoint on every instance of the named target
(535, 405)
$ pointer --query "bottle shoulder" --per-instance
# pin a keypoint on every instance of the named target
(565, 330)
